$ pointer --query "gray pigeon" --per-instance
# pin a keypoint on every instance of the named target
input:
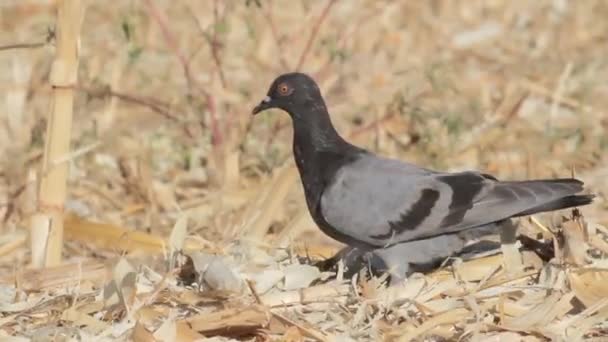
(378, 204)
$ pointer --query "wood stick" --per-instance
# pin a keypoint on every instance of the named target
(231, 322)
(318, 293)
(69, 274)
(47, 225)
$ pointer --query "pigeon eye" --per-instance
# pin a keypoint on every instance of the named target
(284, 89)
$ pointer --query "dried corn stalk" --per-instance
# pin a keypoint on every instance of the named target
(47, 224)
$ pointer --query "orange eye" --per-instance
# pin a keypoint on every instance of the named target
(284, 89)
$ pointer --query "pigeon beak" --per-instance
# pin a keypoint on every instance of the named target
(265, 104)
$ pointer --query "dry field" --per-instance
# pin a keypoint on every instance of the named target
(185, 218)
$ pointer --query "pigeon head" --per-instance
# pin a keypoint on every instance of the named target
(295, 93)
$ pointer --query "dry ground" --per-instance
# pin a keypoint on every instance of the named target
(163, 134)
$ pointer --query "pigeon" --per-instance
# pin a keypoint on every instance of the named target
(378, 204)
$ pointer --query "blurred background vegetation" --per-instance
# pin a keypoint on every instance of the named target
(163, 132)
(162, 114)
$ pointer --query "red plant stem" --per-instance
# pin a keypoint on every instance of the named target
(313, 34)
(168, 35)
(343, 37)
(275, 35)
(216, 136)
(215, 46)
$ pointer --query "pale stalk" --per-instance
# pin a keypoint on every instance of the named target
(47, 223)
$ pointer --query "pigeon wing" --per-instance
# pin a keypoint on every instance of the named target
(380, 202)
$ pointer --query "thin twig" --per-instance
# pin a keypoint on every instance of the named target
(215, 45)
(12, 199)
(152, 104)
(216, 136)
(344, 36)
(254, 292)
(557, 94)
(169, 38)
(212, 40)
(313, 34)
(562, 99)
(22, 46)
(373, 125)
(275, 35)
(306, 331)
(276, 128)
(50, 36)
(159, 107)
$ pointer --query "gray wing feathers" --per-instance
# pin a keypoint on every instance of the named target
(368, 194)
(507, 199)
(383, 201)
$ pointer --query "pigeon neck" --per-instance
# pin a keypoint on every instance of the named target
(319, 152)
(315, 132)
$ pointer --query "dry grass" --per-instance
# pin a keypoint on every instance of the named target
(162, 132)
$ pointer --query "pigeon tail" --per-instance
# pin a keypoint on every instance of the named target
(567, 187)
(562, 203)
